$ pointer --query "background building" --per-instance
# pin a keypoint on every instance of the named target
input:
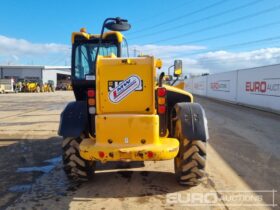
(41, 73)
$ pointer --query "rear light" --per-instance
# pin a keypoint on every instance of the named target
(101, 154)
(150, 154)
(161, 100)
(91, 93)
(161, 91)
(91, 101)
(91, 110)
(161, 109)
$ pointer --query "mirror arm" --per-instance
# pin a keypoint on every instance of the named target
(160, 79)
(175, 81)
(169, 69)
(100, 41)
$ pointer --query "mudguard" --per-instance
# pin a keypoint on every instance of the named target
(193, 121)
(73, 119)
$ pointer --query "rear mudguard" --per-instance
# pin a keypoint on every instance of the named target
(193, 121)
(73, 119)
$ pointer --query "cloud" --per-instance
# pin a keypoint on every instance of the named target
(18, 47)
(221, 61)
(164, 50)
(212, 62)
(170, 52)
(21, 51)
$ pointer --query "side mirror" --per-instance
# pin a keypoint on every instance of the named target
(118, 24)
(178, 65)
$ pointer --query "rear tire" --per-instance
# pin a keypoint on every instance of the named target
(75, 167)
(190, 162)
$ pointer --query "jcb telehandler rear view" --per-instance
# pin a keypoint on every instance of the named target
(123, 112)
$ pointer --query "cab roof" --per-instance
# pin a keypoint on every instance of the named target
(107, 35)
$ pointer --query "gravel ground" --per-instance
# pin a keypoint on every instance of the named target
(243, 155)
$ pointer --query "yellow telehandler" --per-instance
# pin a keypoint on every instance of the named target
(31, 86)
(47, 87)
(123, 112)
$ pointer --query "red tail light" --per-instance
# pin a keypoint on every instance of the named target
(150, 154)
(161, 91)
(91, 93)
(101, 154)
(161, 109)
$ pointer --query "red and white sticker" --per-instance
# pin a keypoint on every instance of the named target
(125, 88)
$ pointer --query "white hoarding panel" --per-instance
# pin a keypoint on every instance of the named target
(222, 86)
(188, 85)
(199, 85)
(260, 87)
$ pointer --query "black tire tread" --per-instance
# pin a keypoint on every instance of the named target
(192, 158)
(75, 167)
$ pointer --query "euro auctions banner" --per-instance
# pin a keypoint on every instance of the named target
(257, 87)
(188, 85)
(260, 87)
(265, 87)
(199, 85)
(222, 86)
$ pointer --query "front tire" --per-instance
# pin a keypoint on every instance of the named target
(75, 167)
(190, 162)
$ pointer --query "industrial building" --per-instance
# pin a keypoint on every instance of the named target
(40, 73)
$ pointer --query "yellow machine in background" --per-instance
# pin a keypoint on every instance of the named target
(30, 86)
(64, 85)
(35, 86)
(69, 87)
(123, 112)
(48, 87)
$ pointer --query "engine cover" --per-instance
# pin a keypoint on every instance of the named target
(126, 85)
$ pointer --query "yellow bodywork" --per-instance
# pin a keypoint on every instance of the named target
(179, 89)
(31, 87)
(167, 149)
(128, 137)
(112, 70)
(127, 129)
(117, 34)
(46, 88)
(180, 85)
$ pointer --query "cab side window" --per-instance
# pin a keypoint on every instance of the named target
(82, 62)
(124, 46)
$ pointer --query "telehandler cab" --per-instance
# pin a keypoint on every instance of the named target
(122, 113)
